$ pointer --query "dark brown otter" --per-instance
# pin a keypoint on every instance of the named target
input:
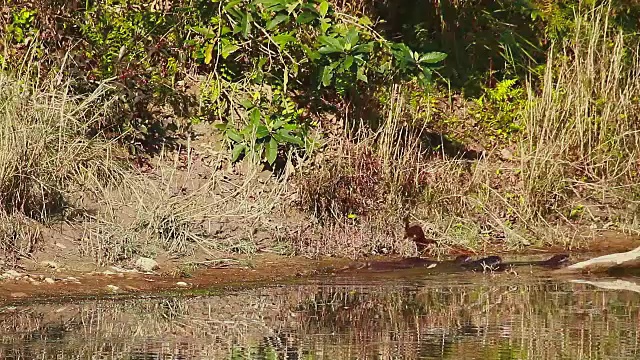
(415, 233)
(494, 263)
(554, 262)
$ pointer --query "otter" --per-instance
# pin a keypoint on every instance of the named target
(494, 263)
(415, 233)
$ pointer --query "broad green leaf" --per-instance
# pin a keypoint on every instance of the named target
(269, 3)
(328, 50)
(432, 57)
(227, 50)
(330, 42)
(426, 75)
(237, 151)
(363, 48)
(271, 150)
(262, 132)
(208, 51)
(292, 7)
(232, 4)
(365, 21)
(246, 24)
(283, 39)
(323, 8)
(234, 135)
(352, 37)
(306, 17)
(247, 104)
(361, 75)
(348, 61)
(277, 124)
(221, 127)
(276, 20)
(290, 127)
(208, 33)
(327, 75)
(254, 116)
(324, 25)
(283, 136)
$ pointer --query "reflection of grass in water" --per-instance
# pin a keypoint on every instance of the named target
(498, 318)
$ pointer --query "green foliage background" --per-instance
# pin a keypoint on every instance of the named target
(260, 67)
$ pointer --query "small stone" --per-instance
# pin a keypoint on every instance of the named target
(18, 295)
(49, 280)
(182, 284)
(506, 154)
(108, 272)
(113, 288)
(50, 264)
(11, 274)
(146, 264)
(61, 246)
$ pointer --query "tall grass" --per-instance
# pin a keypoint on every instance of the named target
(583, 126)
(575, 163)
(46, 153)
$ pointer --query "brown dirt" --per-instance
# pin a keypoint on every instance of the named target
(264, 269)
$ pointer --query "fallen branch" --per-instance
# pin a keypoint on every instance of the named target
(606, 262)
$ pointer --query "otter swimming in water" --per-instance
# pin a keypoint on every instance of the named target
(494, 263)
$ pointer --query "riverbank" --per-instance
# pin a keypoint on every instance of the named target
(100, 166)
(50, 281)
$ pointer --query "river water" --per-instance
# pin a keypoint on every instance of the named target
(399, 315)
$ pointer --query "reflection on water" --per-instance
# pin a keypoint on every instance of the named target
(413, 317)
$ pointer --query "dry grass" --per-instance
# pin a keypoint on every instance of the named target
(189, 216)
(584, 127)
(46, 155)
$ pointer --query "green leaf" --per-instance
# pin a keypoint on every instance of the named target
(427, 74)
(237, 151)
(247, 104)
(352, 37)
(348, 61)
(323, 8)
(221, 127)
(365, 21)
(361, 75)
(324, 25)
(271, 150)
(327, 75)
(432, 57)
(292, 7)
(208, 51)
(283, 39)
(277, 124)
(276, 20)
(232, 4)
(261, 132)
(328, 50)
(234, 135)
(363, 48)
(330, 43)
(208, 33)
(283, 136)
(254, 116)
(246, 24)
(227, 50)
(306, 17)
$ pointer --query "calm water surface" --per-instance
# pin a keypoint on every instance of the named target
(407, 315)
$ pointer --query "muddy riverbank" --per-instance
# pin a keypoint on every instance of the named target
(32, 281)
